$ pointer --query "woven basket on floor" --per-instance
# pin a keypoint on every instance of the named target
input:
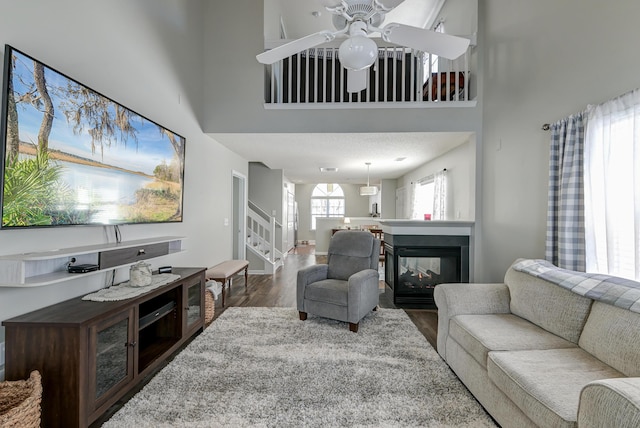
(20, 402)
(209, 306)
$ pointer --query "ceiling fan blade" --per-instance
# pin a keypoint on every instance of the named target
(387, 5)
(356, 80)
(276, 54)
(444, 45)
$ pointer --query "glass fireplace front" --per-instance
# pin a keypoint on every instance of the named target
(416, 264)
(418, 271)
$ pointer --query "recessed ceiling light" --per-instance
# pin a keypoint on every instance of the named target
(400, 159)
(328, 169)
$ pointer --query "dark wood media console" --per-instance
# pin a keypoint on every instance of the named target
(92, 353)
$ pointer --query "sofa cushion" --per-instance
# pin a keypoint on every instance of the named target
(328, 290)
(546, 384)
(480, 334)
(547, 305)
(612, 335)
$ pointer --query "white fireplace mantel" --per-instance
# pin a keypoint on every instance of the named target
(427, 227)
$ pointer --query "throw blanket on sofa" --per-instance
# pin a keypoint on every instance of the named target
(621, 292)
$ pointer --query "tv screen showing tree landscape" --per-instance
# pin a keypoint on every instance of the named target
(75, 157)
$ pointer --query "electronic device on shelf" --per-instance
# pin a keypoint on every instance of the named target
(164, 269)
(83, 268)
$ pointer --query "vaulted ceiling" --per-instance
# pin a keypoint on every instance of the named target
(300, 156)
(302, 17)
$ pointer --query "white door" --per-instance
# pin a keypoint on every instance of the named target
(239, 215)
(291, 222)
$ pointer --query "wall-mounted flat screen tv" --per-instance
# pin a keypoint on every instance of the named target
(71, 156)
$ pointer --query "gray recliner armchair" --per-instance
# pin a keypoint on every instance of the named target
(346, 288)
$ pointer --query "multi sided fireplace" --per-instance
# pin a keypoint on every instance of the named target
(416, 264)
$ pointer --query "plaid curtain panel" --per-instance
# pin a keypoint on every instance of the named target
(565, 241)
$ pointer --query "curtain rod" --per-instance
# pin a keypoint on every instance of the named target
(427, 178)
(546, 126)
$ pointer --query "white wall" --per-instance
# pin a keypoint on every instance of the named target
(272, 11)
(147, 55)
(266, 190)
(460, 163)
(460, 17)
(266, 187)
(387, 208)
(543, 60)
(234, 88)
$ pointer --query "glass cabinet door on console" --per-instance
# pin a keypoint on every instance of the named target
(194, 304)
(111, 351)
(98, 351)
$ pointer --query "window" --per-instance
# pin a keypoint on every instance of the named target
(612, 187)
(423, 198)
(327, 200)
(430, 197)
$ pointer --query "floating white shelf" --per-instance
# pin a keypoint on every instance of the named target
(49, 267)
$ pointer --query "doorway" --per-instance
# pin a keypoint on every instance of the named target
(239, 215)
(292, 222)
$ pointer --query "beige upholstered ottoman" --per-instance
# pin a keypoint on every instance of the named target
(223, 272)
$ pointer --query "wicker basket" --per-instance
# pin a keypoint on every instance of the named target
(209, 306)
(20, 402)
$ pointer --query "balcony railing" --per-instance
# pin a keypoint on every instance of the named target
(401, 77)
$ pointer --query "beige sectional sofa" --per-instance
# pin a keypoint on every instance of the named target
(535, 354)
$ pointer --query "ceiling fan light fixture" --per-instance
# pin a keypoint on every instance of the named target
(358, 52)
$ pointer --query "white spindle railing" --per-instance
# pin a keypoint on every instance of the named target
(261, 234)
(314, 78)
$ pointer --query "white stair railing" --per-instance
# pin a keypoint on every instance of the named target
(401, 77)
(261, 235)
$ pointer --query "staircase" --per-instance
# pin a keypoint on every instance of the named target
(261, 233)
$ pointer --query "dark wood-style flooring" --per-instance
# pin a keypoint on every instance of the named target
(279, 290)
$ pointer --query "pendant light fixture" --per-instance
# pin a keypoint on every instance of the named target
(368, 190)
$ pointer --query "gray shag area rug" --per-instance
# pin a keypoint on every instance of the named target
(263, 367)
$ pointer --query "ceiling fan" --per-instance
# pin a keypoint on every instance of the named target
(356, 20)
